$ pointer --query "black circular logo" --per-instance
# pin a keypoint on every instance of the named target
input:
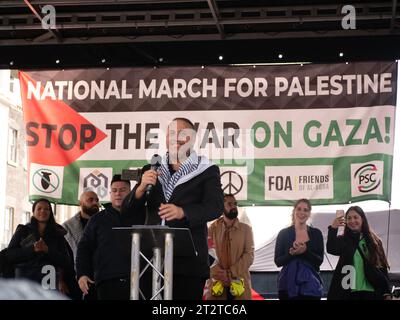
(232, 182)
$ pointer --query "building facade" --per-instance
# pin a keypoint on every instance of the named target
(14, 204)
(15, 207)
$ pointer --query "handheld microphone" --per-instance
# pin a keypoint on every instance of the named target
(155, 164)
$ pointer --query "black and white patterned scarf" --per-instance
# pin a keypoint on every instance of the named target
(168, 181)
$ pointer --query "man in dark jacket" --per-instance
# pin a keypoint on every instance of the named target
(100, 253)
(89, 205)
(186, 194)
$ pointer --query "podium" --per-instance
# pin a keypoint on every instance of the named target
(172, 242)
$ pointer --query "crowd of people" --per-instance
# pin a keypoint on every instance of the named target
(89, 263)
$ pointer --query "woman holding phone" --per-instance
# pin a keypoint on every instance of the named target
(362, 270)
(299, 250)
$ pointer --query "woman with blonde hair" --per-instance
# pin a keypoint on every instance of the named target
(299, 249)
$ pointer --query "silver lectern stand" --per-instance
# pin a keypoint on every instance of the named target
(145, 238)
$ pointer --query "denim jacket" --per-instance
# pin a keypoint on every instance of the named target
(299, 278)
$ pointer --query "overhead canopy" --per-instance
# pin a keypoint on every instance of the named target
(90, 33)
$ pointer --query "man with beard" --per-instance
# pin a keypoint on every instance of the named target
(234, 247)
(89, 205)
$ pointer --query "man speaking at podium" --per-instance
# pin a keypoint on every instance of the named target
(183, 191)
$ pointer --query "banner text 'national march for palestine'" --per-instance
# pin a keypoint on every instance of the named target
(278, 133)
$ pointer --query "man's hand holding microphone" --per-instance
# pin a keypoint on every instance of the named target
(149, 178)
(166, 211)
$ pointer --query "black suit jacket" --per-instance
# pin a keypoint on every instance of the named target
(99, 251)
(201, 199)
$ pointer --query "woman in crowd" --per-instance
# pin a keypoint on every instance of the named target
(299, 250)
(41, 243)
(361, 272)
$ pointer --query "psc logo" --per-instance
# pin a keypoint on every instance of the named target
(367, 178)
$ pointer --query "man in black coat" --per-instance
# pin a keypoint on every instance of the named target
(186, 194)
(89, 205)
(99, 251)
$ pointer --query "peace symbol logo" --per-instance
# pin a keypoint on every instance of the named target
(232, 182)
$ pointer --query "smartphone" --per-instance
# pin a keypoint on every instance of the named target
(340, 214)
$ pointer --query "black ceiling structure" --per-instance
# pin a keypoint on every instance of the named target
(97, 33)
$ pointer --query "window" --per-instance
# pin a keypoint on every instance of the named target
(26, 217)
(13, 79)
(25, 160)
(12, 145)
(8, 224)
